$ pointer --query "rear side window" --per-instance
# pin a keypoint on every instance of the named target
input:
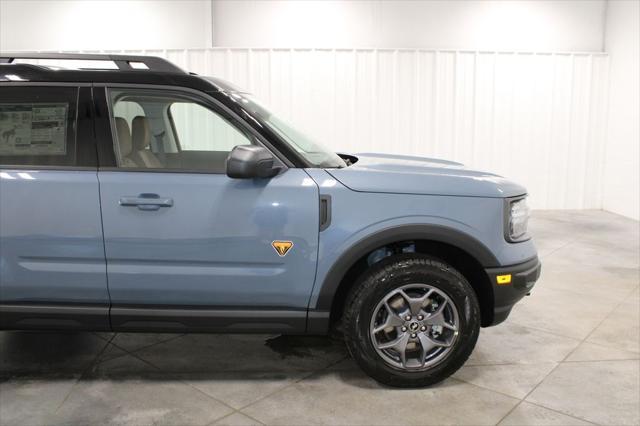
(38, 127)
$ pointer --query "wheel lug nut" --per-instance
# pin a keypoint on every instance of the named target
(407, 318)
(413, 334)
(404, 328)
(423, 328)
(420, 317)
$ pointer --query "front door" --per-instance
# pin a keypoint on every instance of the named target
(188, 247)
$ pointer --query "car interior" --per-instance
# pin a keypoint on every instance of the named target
(161, 132)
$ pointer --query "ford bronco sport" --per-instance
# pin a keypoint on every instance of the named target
(146, 198)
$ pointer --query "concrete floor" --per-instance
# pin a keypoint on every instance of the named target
(569, 354)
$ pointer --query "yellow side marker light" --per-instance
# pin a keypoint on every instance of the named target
(503, 279)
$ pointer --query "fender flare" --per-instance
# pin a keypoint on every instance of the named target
(438, 233)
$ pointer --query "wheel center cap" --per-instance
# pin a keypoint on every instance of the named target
(414, 326)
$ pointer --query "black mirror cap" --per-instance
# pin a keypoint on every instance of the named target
(249, 162)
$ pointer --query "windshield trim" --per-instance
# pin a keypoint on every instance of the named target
(332, 159)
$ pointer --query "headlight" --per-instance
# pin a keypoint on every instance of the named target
(517, 220)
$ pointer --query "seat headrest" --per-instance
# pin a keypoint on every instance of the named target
(140, 133)
(124, 136)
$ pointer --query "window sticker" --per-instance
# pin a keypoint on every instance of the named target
(33, 129)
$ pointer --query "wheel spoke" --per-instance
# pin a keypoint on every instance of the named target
(399, 345)
(449, 326)
(415, 303)
(427, 345)
(392, 320)
(401, 348)
(437, 318)
(381, 327)
(430, 341)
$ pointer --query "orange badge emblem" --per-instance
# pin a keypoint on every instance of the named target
(282, 247)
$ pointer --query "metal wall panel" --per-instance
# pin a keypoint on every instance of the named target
(538, 118)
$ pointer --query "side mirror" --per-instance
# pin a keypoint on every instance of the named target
(249, 162)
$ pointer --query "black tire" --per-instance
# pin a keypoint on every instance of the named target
(387, 275)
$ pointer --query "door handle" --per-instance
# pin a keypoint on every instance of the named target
(146, 202)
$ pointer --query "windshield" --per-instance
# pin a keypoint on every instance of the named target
(316, 154)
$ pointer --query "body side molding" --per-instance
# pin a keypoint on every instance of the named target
(207, 320)
(37, 316)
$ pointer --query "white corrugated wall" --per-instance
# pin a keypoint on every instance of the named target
(538, 118)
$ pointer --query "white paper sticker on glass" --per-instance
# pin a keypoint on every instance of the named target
(33, 129)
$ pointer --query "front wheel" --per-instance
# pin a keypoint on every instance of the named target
(411, 321)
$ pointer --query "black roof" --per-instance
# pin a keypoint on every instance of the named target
(157, 71)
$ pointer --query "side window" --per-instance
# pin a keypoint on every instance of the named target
(199, 129)
(166, 130)
(38, 128)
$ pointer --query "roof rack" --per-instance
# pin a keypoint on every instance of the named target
(123, 62)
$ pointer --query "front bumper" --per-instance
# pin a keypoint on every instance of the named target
(523, 277)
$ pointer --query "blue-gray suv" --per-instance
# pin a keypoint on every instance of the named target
(135, 196)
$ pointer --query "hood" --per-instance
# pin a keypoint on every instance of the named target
(417, 175)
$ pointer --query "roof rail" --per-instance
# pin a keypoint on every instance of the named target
(123, 62)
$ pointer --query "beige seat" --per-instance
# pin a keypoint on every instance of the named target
(124, 143)
(141, 141)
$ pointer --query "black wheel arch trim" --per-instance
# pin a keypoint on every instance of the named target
(437, 233)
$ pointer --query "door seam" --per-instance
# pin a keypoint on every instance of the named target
(104, 243)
